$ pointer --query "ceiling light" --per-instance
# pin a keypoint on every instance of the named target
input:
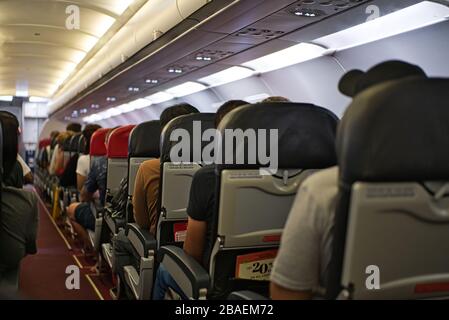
(411, 18)
(152, 81)
(226, 76)
(6, 98)
(111, 99)
(175, 70)
(95, 106)
(39, 100)
(185, 89)
(287, 57)
(140, 103)
(160, 97)
(310, 13)
(83, 111)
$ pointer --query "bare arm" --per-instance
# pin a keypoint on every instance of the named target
(80, 179)
(195, 239)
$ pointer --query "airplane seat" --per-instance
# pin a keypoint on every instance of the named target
(174, 187)
(176, 178)
(143, 146)
(69, 187)
(252, 204)
(97, 150)
(391, 234)
(117, 172)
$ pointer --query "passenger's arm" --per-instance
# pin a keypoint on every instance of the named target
(280, 293)
(80, 179)
(139, 201)
(59, 165)
(195, 239)
(85, 195)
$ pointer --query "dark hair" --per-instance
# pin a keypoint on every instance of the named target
(226, 108)
(275, 99)
(88, 131)
(74, 127)
(176, 111)
(10, 126)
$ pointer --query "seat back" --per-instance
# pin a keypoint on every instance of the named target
(176, 178)
(253, 205)
(117, 152)
(391, 233)
(143, 145)
(81, 145)
(97, 144)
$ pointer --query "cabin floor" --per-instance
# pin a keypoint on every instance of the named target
(43, 276)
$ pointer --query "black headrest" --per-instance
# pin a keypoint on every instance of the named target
(185, 122)
(396, 131)
(67, 143)
(74, 143)
(144, 140)
(306, 133)
(82, 145)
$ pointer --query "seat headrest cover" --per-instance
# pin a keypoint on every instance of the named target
(186, 122)
(82, 144)
(97, 146)
(306, 134)
(144, 140)
(118, 142)
(396, 131)
(74, 143)
(44, 143)
(66, 144)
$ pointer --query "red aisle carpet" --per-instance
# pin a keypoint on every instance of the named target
(43, 275)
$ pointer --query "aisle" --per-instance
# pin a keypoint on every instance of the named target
(43, 275)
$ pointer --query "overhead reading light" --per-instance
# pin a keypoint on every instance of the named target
(309, 13)
(175, 70)
(95, 106)
(133, 89)
(152, 81)
(185, 89)
(111, 99)
(411, 18)
(226, 76)
(203, 58)
(6, 98)
(160, 97)
(284, 58)
(83, 111)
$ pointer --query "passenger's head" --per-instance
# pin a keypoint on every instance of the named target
(276, 99)
(74, 127)
(226, 108)
(54, 134)
(10, 133)
(88, 131)
(63, 136)
(176, 111)
(356, 81)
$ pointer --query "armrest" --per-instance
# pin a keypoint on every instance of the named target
(190, 276)
(246, 295)
(141, 239)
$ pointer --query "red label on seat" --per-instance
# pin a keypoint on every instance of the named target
(432, 287)
(255, 266)
(180, 231)
(272, 238)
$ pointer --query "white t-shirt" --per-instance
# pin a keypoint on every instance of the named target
(24, 166)
(83, 165)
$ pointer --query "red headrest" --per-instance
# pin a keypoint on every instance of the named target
(118, 142)
(44, 143)
(97, 146)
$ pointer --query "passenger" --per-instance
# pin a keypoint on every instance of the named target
(145, 197)
(201, 212)
(83, 166)
(26, 171)
(80, 214)
(275, 99)
(56, 161)
(19, 213)
(301, 268)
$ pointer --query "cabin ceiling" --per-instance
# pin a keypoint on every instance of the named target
(38, 52)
